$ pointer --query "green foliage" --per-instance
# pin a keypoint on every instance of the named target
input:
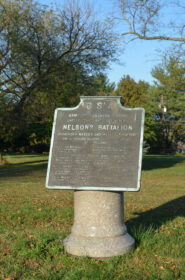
(44, 40)
(48, 58)
(102, 85)
(164, 132)
(169, 93)
(133, 94)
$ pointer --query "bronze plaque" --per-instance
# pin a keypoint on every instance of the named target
(96, 146)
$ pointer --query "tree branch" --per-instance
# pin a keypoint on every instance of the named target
(160, 37)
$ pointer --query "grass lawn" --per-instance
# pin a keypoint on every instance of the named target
(34, 221)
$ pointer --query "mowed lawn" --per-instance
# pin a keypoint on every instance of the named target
(34, 221)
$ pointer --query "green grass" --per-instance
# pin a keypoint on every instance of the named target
(34, 221)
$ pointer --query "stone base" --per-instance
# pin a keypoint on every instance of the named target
(99, 247)
(98, 230)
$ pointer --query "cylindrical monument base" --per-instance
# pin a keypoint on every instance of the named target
(98, 230)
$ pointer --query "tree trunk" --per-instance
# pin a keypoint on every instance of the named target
(2, 161)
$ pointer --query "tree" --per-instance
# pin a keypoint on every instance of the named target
(41, 39)
(133, 94)
(136, 95)
(99, 85)
(167, 100)
(6, 126)
(144, 20)
(42, 50)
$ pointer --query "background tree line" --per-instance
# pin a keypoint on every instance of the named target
(48, 58)
(160, 20)
(164, 104)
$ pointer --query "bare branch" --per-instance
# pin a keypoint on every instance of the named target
(142, 17)
(177, 39)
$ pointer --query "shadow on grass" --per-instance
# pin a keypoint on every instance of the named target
(156, 217)
(25, 168)
(22, 168)
(160, 161)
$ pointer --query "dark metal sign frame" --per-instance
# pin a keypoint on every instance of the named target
(96, 146)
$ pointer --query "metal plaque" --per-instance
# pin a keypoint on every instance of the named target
(96, 146)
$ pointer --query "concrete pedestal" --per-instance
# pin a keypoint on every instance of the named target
(98, 230)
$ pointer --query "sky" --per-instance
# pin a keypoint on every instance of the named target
(138, 57)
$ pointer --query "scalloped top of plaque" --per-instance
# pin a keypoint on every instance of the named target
(96, 146)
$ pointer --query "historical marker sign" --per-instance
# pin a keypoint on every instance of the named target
(96, 146)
